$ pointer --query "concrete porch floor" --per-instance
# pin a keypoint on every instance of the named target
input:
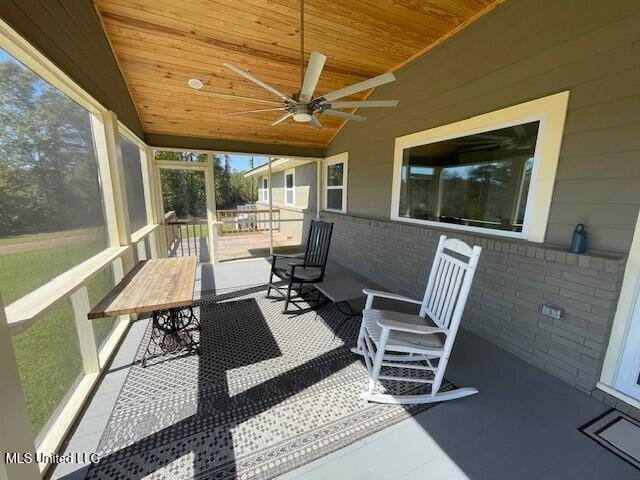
(523, 424)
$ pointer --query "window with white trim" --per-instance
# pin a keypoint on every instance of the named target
(490, 174)
(289, 187)
(53, 206)
(264, 189)
(50, 189)
(335, 183)
(132, 162)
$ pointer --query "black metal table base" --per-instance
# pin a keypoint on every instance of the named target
(348, 315)
(172, 332)
(343, 307)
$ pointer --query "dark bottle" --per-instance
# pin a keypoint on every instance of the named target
(579, 240)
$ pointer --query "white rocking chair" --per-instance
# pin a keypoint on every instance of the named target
(420, 342)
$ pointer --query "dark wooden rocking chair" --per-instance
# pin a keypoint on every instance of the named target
(301, 270)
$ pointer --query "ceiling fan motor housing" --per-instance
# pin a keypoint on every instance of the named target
(302, 112)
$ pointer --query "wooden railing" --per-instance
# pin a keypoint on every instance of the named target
(233, 222)
(188, 238)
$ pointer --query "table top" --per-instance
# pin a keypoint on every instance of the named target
(151, 285)
(341, 289)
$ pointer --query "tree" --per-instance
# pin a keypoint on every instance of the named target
(48, 169)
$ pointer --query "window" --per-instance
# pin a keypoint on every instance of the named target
(51, 220)
(480, 180)
(489, 174)
(131, 160)
(52, 216)
(264, 191)
(335, 183)
(289, 187)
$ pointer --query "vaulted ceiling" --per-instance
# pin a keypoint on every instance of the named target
(161, 44)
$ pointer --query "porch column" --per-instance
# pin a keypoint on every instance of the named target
(319, 163)
(212, 217)
(270, 205)
(17, 435)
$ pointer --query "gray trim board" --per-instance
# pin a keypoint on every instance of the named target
(175, 141)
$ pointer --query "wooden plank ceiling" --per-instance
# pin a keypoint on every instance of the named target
(160, 44)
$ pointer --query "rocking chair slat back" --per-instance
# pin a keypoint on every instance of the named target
(449, 282)
(398, 340)
(318, 244)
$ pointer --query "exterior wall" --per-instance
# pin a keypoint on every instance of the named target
(70, 34)
(522, 50)
(512, 283)
(305, 200)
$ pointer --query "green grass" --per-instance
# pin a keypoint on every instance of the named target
(36, 237)
(48, 354)
(188, 232)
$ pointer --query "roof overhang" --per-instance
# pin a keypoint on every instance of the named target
(278, 166)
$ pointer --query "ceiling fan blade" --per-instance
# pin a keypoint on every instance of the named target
(255, 111)
(365, 103)
(281, 119)
(312, 75)
(237, 97)
(257, 81)
(315, 122)
(345, 115)
(358, 87)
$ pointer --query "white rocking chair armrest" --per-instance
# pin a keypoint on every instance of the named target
(389, 295)
(410, 327)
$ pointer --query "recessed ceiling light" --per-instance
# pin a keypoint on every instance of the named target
(195, 83)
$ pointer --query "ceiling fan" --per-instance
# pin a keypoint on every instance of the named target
(304, 107)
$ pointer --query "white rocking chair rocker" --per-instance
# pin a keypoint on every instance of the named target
(420, 342)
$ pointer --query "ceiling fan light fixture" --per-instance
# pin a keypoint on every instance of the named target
(195, 83)
(303, 107)
(302, 117)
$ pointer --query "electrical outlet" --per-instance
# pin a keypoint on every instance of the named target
(553, 312)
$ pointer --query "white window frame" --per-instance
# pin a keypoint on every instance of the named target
(550, 111)
(292, 172)
(333, 160)
(264, 191)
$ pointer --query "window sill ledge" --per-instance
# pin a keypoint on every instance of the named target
(25, 311)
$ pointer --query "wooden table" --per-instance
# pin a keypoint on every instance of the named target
(164, 287)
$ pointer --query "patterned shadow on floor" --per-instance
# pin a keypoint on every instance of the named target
(268, 393)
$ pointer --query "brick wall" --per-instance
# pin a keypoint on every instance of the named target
(513, 281)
